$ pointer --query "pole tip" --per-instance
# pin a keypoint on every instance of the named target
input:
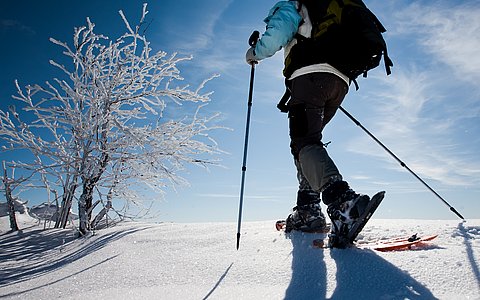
(457, 213)
(238, 240)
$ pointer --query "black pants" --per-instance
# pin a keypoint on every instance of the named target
(315, 100)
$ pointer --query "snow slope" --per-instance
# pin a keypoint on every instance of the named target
(199, 261)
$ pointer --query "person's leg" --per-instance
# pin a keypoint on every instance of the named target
(305, 195)
(315, 99)
(307, 214)
(311, 101)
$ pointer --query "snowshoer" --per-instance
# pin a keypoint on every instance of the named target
(317, 90)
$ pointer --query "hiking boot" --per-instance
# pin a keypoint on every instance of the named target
(345, 206)
(306, 218)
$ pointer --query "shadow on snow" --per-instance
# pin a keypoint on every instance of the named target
(469, 234)
(218, 283)
(35, 253)
(361, 274)
(309, 271)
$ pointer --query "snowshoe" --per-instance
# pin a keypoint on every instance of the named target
(306, 218)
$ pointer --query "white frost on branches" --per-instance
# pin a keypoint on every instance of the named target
(101, 129)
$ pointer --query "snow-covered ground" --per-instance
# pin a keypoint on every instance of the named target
(200, 261)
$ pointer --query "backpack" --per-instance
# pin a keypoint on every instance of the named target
(345, 34)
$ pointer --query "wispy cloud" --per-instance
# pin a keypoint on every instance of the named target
(448, 31)
(263, 198)
(8, 24)
(425, 108)
(202, 33)
(223, 196)
(202, 29)
(426, 142)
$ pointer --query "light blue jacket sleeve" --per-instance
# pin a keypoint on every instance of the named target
(282, 24)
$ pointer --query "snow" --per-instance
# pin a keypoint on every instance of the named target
(199, 261)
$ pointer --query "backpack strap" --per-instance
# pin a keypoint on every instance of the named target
(387, 61)
(282, 105)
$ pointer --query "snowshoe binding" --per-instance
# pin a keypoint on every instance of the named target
(306, 218)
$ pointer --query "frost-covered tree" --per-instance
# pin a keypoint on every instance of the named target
(103, 128)
(13, 203)
(7, 184)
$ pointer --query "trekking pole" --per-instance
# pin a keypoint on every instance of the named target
(401, 162)
(252, 42)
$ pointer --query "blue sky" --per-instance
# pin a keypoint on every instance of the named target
(427, 112)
